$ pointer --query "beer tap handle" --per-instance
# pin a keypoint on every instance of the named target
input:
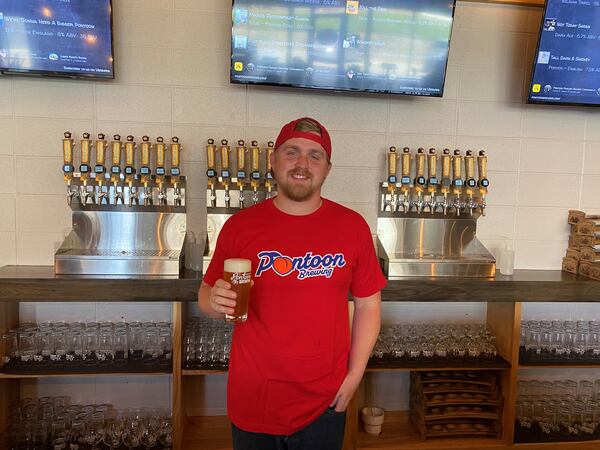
(68, 147)
(86, 145)
(176, 169)
(224, 151)
(255, 170)
(270, 150)
(160, 148)
(130, 147)
(470, 182)
(432, 180)
(269, 180)
(469, 166)
(457, 162)
(483, 179)
(446, 182)
(225, 174)
(130, 156)
(420, 180)
(84, 168)
(68, 168)
(211, 150)
(241, 151)
(392, 179)
(100, 167)
(115, 170)
(145, 149)
(175, 156)
(432, 167)
(405, 177)
(145, 170)
(255, 157)
(211, 173)
(101, 146)
(482, 167)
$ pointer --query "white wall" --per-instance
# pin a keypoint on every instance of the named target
(172, 79)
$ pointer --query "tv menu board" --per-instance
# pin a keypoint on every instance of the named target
(56, 37)
(388, 46)
(567, 62)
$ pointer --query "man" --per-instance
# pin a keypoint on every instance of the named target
(293, 365)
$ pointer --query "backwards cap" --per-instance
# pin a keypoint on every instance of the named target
(288, 131)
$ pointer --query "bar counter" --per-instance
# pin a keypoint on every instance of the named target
(39, 283)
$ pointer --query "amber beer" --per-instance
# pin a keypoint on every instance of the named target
(238, 273)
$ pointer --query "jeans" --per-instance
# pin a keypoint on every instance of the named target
(325, 433)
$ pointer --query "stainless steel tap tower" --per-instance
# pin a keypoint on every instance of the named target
(126, 219)
(427, 221)
(253, 185)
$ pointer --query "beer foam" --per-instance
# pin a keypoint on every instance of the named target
(233, 265)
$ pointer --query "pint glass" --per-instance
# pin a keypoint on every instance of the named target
(238, 273)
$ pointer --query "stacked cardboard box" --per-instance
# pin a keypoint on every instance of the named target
(583, 253)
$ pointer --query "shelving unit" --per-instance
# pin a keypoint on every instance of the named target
(503, 296)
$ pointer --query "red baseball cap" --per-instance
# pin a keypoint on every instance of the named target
(288, 131)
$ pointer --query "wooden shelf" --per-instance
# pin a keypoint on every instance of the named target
(419, 366)
(559, 366)
(574, 445)
(40, 284)
(193, 372)
(10, 376)
(397, 433)
(523, 286)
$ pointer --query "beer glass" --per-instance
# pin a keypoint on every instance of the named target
(237, 272)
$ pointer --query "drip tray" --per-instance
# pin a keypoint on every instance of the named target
(430, 265)
(116, 262)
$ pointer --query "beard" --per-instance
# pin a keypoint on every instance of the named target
(297, 192)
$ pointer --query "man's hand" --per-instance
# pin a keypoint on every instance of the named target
(345, 392)
(222, 298)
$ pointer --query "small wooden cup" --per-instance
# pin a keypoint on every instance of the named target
(372, 417)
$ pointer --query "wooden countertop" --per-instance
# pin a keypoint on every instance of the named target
(39, 283)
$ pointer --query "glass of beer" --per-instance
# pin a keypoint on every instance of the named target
(238, 273)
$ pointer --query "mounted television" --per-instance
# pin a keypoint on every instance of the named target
(388, 46)
(567, 61)
(66, 38)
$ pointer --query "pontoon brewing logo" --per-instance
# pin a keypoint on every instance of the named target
(306, 266)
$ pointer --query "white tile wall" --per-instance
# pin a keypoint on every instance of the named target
(172, 78)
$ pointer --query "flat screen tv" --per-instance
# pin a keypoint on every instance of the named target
(567, 61)
(67, 38)
(388, 46)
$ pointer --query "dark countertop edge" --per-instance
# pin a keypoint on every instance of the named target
(39, 283)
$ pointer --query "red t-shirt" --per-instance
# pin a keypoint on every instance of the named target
(290, 357)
